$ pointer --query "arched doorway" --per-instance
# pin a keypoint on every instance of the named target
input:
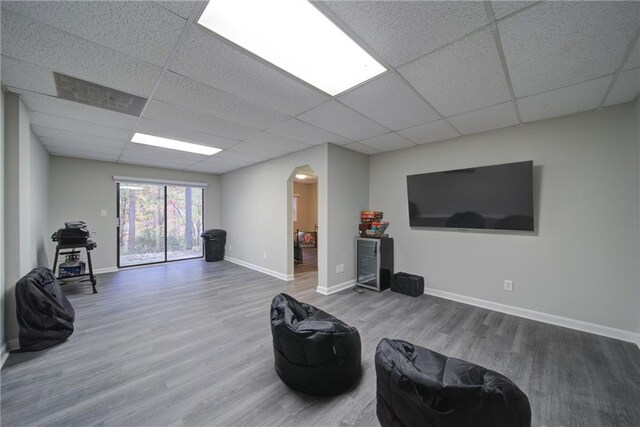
(303, 223)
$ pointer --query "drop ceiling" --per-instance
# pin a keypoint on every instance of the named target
(454, 68)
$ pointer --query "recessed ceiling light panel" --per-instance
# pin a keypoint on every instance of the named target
(173, 144)
(295, 36)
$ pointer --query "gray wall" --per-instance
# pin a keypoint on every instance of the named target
(348, 174)
(80, 189)
(2, 240)
(38, 199)
(638, 173)
(257, 211)
(583, 261)
(26, 205)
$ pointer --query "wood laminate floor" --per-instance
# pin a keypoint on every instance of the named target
(189, 344)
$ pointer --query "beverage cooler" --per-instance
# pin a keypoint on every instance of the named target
(374, 263)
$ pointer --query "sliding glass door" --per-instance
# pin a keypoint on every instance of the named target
(184, 222)
(159, 223)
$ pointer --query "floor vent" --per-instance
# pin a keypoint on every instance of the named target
(95, 95)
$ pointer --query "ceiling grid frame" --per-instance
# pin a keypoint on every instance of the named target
(616, 83)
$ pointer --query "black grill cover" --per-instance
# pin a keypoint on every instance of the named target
(214, 242)
(419, 387)
(45, 315)
(314, 352)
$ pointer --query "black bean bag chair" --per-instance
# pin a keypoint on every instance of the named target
(45, 315)
(314, 352)
(419, 387)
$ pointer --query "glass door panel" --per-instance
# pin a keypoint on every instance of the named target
(367, 254)
(141, 235)
(184, 222)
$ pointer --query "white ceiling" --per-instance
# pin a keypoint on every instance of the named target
(454, 68)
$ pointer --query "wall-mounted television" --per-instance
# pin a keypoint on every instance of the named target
(498, 197)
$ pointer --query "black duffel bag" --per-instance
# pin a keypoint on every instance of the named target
(408, 284)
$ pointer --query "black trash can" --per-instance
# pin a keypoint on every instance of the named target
(214, 241)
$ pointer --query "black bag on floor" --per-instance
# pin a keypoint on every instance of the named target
(408, 284)
(45, 315)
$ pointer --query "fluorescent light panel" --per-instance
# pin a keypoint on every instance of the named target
(173, 144)
(295, 36)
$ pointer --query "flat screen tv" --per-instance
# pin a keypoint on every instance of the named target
(498, 197)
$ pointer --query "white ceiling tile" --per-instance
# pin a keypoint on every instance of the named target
(72, 125)
(277, 142)
(504, 8)
(21, 75)
(626, 87)
(240, 157)
(53, 143)
(361, 148)
(214, 62)
(73, 110)
(339, 119)
(403, 31)
(390, 101)
(177, 116)
(181, 8)
(152, 162)
(388, 142)
(496, 117)
(461, 77)
(190, 94)
(30, 41)
(556, 44)
(301, 131)
(73, 136)
(568, 100)
(209, 168)
(216, 165)
(168, 130)
(229, 161)
(91, 155)
(256, 150)
(431, 132)
(138, 28)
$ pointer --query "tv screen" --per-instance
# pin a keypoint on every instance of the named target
(498, 197)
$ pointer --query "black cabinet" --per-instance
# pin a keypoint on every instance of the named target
(374, 259)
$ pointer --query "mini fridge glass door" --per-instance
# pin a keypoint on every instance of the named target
(368, 262)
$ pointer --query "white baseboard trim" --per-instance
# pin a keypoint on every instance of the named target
(13, 344)
(105, 270)
(4, 354)
(272, 273)
(552, 319)
(324, 290)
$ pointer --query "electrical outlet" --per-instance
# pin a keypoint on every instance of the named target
(508, 285)
(339, 268)
(103, 212)
(265, 255)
